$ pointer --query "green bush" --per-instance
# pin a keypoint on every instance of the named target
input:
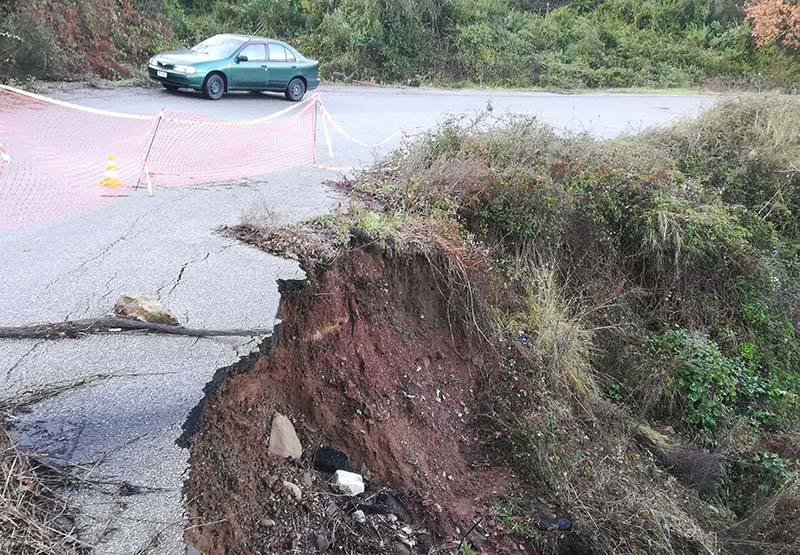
(710, 382)
(587, 43)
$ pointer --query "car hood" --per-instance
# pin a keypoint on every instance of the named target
(184, 57)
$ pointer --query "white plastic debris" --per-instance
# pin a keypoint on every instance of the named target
(349, 483)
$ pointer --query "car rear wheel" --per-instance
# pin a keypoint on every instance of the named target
(214, 87)
(296, 90)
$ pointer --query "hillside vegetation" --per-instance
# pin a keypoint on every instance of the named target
(521, 43)
(644, 296)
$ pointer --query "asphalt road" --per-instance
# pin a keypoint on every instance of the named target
(123, 426)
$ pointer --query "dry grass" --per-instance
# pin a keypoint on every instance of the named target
(34, 519)
(771, 528)
(556, 340)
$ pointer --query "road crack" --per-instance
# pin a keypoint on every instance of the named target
(179, 279)
(22, 359)
(110, 246)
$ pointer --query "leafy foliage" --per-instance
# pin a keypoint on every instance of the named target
(775, 22)
(603, 43)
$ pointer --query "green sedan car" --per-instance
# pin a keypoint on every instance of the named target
(236, 63)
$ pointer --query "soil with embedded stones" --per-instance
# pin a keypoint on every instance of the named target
(377, 377)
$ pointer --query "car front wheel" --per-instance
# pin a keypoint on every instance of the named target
(214, 87)
(296, 90)
(170, 88)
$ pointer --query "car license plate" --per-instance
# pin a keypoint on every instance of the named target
(162, 74)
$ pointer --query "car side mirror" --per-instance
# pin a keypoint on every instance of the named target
(241, 59)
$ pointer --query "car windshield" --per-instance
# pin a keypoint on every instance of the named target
(219, 46)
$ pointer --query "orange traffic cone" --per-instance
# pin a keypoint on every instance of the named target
(111, 177)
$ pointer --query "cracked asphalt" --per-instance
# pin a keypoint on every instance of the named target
(122, 425)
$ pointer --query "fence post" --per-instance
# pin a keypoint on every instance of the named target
(325, 130)
(144, 169)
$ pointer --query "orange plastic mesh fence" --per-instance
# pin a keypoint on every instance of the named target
(57, 158)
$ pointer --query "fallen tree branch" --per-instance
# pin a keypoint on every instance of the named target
(23, 399)
(114, 324)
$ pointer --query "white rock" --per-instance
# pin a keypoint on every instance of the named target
(144, 306)
(359, 517)
(294, 489)
(283, 440)
(349, 483)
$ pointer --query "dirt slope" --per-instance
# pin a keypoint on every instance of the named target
(369, 360)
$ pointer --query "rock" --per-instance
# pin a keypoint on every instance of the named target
(390, 505)
(563, 523)
(294, 489)
(144, 306)
(283, 441)
(364, 471)
(328, 459)
(399, 548)
(348, 483)
(321, 542)
(359, 517)
(331, 508)
(308, 479)
(267, 523)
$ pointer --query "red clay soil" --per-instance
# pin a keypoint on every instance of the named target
(366, 360)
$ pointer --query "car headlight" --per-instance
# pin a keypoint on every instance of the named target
(185, 69)
(152, 62)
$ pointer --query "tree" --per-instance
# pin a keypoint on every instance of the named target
(775, 22)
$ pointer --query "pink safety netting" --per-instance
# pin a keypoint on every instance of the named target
(53, 154)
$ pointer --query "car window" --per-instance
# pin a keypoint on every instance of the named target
(254, 52)
(289, 55)
(277, 53)
(220, 46)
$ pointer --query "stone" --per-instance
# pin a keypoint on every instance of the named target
(399, 548)
(359, 517)
(144, 306)
(267, 523)
(283, 440)
(331, 508)
(294, 489)
(389, 504)
(321, 542)
(348, 483)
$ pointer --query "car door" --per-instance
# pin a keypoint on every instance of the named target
(249, 69)
(282, 66)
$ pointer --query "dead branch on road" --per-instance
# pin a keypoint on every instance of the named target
(34, 518)
(28, 397)
(112, 324)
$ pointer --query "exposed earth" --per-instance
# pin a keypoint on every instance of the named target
(124, 425)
